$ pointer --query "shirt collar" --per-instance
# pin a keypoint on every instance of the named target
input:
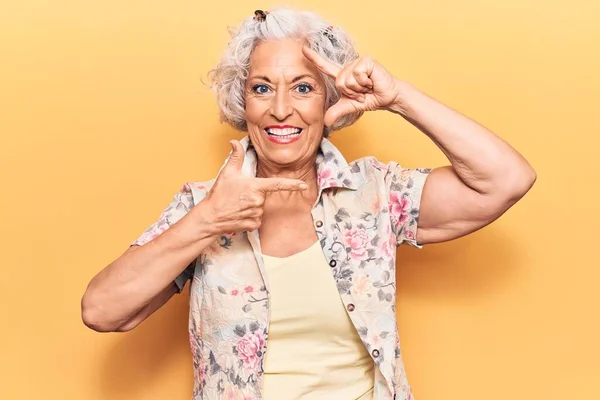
(333, 171)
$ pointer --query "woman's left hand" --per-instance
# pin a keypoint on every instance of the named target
(365, 85)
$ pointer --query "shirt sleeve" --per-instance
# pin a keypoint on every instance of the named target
(404, 189)
(181, 204)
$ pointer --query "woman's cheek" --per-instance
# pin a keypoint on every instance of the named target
(312, 112)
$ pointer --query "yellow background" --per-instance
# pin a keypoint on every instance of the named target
(103, 116)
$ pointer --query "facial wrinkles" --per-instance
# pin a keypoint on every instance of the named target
(285, 103)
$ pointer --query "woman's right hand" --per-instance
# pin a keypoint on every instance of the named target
(235, 202)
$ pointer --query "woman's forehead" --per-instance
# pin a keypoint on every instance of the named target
(281, 58)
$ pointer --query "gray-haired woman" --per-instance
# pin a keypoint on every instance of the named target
(290, 249)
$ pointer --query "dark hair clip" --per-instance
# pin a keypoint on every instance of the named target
(260, 15)
(327, 32)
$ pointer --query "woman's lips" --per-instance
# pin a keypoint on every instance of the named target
(283, 138)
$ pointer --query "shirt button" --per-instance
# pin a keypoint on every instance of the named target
(350, 307)
(375, 353)
(332, 263)
(319, 224)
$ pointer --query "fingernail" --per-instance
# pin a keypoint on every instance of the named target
(303, 186)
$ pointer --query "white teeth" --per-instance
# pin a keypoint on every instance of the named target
(283, 132)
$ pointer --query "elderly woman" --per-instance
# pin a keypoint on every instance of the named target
(291, 249)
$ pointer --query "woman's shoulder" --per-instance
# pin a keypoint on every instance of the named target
(371, 169)
(371, 165)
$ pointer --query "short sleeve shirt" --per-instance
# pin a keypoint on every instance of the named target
(364, 210)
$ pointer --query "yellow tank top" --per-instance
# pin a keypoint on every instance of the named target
(313, 350)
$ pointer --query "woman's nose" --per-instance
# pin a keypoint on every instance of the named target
(281, 106)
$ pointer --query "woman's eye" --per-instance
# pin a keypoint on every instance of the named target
(304, 88)
(260, 89)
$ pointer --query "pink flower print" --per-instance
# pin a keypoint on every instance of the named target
(357, 239)
(399, 208)
(193, 344)
(201, 372)
(232, 393)
(158, 230)
(326, 178)
(376, 205)
(196, 185)
(235, 291)
(361, 285)
(248, 348)
(374, 339)
(387, 249)
(248, 289)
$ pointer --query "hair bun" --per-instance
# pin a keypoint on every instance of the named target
(260, 15)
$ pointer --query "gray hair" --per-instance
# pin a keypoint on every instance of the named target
(228, 79)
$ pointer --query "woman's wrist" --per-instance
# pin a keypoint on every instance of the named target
(203, 224)
(405, 93)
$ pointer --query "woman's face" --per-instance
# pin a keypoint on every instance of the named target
(285, 104)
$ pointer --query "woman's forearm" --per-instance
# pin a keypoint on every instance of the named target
(128, 284)
(482, 160)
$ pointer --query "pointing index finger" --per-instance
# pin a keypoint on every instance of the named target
(280, 184)
(320, 62)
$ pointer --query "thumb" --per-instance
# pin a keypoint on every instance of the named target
(338, 110)
(236, 159)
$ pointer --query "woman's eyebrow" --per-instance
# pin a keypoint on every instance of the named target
(296, 79)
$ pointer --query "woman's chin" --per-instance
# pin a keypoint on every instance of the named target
(285, 151)
(283, 157)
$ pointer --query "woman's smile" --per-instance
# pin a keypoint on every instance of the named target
(283, 134)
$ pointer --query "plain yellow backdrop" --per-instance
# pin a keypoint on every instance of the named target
(103, 116)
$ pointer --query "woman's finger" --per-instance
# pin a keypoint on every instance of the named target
(342, 107)
(362, 78)
(340, 84)
(352, 84)
(321, 63)
(362, 71)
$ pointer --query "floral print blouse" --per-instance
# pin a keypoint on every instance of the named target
(364, 210)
